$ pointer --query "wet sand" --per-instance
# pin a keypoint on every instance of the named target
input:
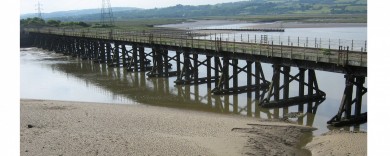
(338, 142)
(79, 128)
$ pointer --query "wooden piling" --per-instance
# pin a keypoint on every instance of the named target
(276, 82)
(208, 64)
(226, 72)
(166, 62)
(301, 86)
(178, 69)
(135, 57)
(216, 70)
(249, 77)
(142, 59)
(195, 70)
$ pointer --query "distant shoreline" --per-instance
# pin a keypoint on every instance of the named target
(193, 25)
(306, 25)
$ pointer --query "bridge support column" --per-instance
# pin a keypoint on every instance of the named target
(311, 77)
(124, 54)
(159, 62)
(257, 79)
(96, 51)
(166, 62)
(195, 68)
(347, 102)
(102, 52)
(178, 68)
(108, 53)
(77, 48)
(208, 64)
(115, 58)
(276, 82)
(216, 70)
(186, 66)
(312, 86)
(142, 59)
(301, 87)
(88, 49)
(286, 83)
(249, 78)
(81, 53)
(235, 73)
(225, 72)
(157, 68)
(184, 77)
(134, 58)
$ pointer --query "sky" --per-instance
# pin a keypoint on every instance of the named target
(30, 6)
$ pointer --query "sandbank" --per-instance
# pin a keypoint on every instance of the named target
(79, 128)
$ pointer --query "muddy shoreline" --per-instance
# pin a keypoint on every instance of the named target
(69, 128)
(208, 23)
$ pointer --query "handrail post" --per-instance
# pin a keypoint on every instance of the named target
(272, 49)
(346, 63)
(365, 46)
(291, 51)
(352, 46)
(281, 49)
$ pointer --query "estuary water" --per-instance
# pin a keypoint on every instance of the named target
(53, 76)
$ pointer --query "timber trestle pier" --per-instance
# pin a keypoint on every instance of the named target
(225, 63)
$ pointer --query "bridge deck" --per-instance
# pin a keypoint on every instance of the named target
(325, 55)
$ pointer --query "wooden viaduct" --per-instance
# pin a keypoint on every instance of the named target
(221, 57)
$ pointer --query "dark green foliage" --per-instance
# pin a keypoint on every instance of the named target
(38, 22)
(75, 24)
(53, 23)
(32, 22)
(98, 25)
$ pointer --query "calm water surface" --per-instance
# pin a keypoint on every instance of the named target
(49, 75)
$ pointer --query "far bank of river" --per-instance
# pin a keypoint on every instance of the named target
(230, 23)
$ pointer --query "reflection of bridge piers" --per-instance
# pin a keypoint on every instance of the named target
(136, 85)
(221, 60)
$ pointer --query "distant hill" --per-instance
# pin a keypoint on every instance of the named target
(242, 8)
(75, 13)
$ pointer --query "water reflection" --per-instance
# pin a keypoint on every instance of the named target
(134, 87)
(161, 92)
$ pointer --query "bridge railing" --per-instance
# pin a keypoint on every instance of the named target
(340, 56)
(354, 45)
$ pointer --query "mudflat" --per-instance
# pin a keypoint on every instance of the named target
(79, 128)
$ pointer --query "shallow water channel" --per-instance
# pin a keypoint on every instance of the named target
(53, 76)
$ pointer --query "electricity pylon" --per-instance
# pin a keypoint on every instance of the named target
(107, 17)
(39, 10)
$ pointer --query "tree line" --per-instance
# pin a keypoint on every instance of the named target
(39, 22)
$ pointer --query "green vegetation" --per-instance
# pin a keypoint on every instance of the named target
(130, 25)
(326, 51)
(32, 22)
(241, 9)
(38, 22)
(253, 8)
